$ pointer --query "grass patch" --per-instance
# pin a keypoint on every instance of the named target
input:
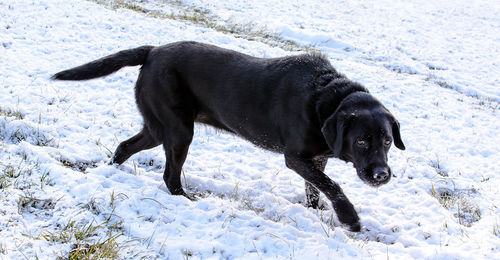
(14, 129)
(7, 112)
(29, 203)
(148, 163)
(24, 131)
(85, 241)
(444, 196)
(482, 101)
(187, 253)
(459, 202)
(328, 220)
(95, 206)
(204, 18)
(402, 69)
(11, 173)
(45, 180)
(3, 249)
(108, 249)
(489, 104)
(71, 232)
(80, 166)
(444, 84)
(436, 164)
(8, 176)
(248, 203)
(496, 230)
(98, 206)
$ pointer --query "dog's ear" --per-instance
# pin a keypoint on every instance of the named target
(333, 132)
(397, 135)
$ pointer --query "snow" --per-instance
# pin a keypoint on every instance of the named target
(453, 41)
(434, 64)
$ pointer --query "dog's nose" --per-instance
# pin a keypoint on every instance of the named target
(380, 174)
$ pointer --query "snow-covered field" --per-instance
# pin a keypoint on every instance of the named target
(434, 64)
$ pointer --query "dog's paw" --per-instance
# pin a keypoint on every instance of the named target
(191, 197)
(356, 227)
(181, 192)
(320, 205)
(117, 159)
(347, 214)
(312, 204)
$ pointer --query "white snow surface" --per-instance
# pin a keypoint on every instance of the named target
(434, 64)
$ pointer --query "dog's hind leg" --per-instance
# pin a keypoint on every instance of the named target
(141, 141)
(177, 138)
(312, 193)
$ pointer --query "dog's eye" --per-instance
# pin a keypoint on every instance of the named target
(387, 142)
(361, 142)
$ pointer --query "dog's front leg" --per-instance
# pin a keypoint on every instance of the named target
(312, 193)
(342, 206)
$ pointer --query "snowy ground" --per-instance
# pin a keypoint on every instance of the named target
(434, 64)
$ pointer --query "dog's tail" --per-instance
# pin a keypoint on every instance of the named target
(106, 65)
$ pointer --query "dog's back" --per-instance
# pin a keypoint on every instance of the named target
(259, 99)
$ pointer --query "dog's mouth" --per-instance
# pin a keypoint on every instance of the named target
(375, 177)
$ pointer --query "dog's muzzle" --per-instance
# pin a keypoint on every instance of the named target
(381, 174)
(376, 176)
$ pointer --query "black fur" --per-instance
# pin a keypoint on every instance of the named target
(299, 106)
(106, 65)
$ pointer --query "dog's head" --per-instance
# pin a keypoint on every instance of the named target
(361, 131)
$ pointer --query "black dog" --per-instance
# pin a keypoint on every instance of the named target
(299, 106)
